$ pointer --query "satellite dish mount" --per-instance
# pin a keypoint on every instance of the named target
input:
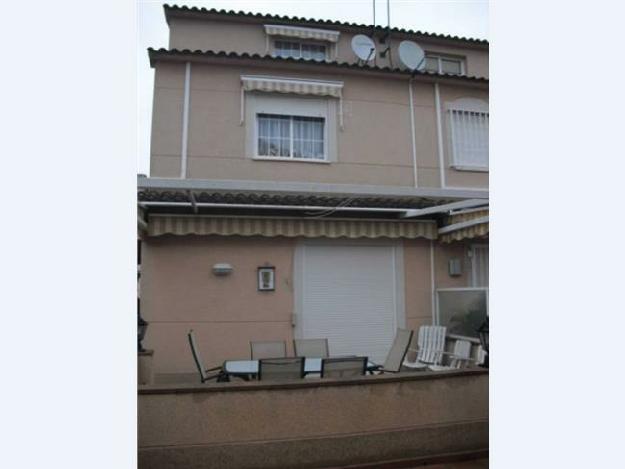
(412, 56)
(363, 47)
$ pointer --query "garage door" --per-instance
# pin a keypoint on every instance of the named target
(349, 295)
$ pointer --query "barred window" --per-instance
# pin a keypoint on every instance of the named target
(469, 138)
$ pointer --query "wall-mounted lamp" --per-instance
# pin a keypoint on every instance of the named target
(222, 269)
(266, 278)
(455, 267)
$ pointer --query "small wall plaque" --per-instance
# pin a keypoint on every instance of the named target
(266, 278)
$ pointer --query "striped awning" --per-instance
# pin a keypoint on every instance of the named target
(289, 227)
(292, 85)
(468, 225)
(302, 33)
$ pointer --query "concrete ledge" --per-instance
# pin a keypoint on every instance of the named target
(240, 385)
(314, 422)
(392, 448)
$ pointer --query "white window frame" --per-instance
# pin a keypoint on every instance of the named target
(441, 57)
(437, 321)
(464, 105)
(291, 105)
(300, 42)
(291, 139)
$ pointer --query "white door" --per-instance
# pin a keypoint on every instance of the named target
(350, 294)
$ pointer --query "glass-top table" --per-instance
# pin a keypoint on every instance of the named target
(250, 367)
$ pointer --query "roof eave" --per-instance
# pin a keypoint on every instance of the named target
(230, 58)
(174, 11)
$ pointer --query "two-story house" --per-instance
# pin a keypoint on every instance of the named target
(296, 190)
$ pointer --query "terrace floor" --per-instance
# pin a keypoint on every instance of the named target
(473, 464)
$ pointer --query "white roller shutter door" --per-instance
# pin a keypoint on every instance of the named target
(349, 296)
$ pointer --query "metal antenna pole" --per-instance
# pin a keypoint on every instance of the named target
(388, 31)
(374, 15)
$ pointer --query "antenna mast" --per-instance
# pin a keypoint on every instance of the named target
(387, 36)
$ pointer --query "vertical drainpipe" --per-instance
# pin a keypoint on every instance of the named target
(433, 283)
(412, 132)
(439, 130)
(185, 121)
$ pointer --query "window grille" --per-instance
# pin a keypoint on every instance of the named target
(469, 138)
(291, 136)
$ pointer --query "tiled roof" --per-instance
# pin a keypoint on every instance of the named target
(295, 200)
(156, 54)
(172, 10)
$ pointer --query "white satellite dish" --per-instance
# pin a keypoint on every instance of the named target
(411, 55)
(363, 47)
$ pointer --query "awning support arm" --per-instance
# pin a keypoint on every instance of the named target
(445, 207)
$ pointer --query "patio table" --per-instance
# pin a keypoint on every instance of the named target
(246, 368)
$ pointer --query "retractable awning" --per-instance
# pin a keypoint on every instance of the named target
(302, 33)
(333, 89)
(292, 85)
(289, 227)
(469, 224)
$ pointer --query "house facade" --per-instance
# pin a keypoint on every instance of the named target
(298, 191)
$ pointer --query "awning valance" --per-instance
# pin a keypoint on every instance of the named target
(289, 227)
(292, 85)
(302, 33)
(467, 225)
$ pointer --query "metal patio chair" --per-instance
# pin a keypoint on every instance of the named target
(206, 374)
(311, 348)
(280, 369)
(267, 349)
(430, 347)
(343, 367)
(397, 353)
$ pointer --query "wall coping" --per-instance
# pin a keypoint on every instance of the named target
(307, 383)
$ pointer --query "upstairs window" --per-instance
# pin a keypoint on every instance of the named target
(299, 50)
(443, 64)
(468, 123)
(298, 137)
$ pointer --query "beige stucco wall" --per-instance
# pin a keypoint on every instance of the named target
(375, 146)
(233, 36)
(314, 422)
(179, 292)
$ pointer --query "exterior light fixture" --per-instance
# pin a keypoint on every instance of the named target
(222, 269)
(483, 332)
(266, 278)
(455, 267)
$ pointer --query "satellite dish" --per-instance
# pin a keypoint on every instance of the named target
(411, 55)
(363, 47)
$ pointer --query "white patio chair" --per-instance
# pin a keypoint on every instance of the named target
(430, 347)
(459, 358)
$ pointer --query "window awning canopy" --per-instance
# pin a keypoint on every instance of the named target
(333, 89)
(302, 33)
(468, 225)
(292, 85)
(289, 227)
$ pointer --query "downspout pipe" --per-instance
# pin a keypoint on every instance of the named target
(412, 132)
